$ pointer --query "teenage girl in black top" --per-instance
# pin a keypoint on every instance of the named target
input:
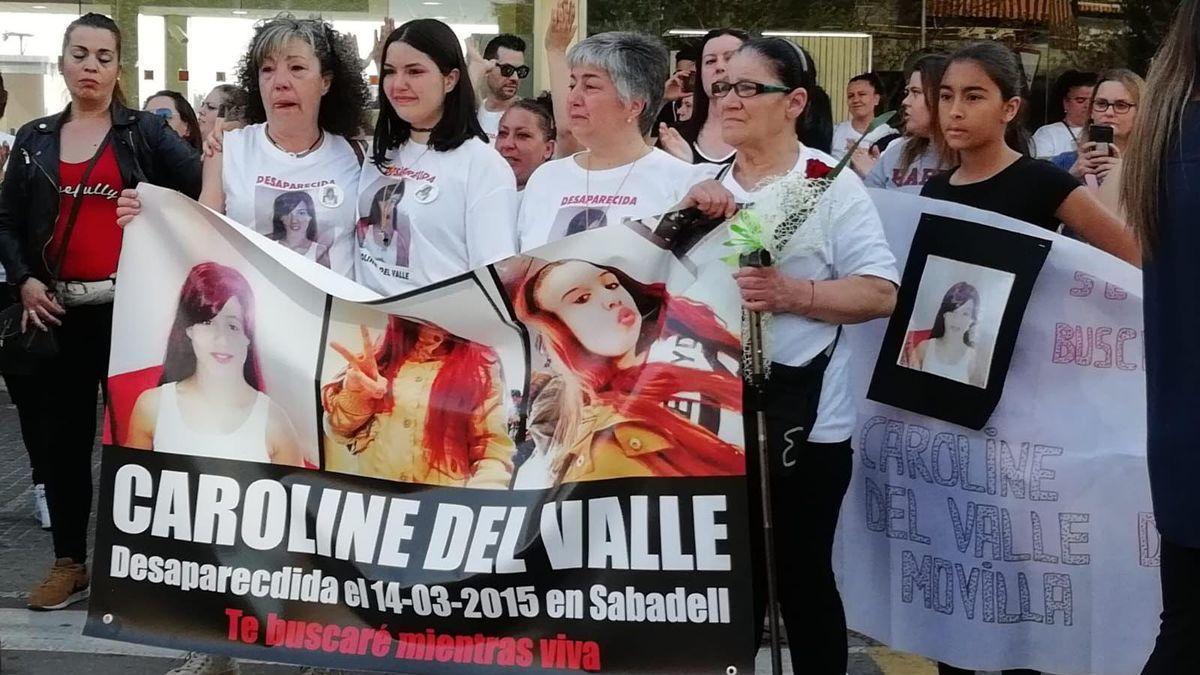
(978, 101)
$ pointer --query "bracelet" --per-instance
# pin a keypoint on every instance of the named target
(812, 297)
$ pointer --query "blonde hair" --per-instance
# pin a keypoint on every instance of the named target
(1171, 85)
(1132, 82)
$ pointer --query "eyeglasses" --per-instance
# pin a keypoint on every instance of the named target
(746, 89)
(1120, 107)
(165, 113)
(507, 70)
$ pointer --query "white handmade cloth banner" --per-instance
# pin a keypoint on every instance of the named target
(1029, 543)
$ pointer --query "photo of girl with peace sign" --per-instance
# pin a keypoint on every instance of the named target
(418, 405)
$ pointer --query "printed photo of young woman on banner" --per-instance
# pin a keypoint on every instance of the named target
(211, 367)
(950, 341)
(408, 399)
(211, 399)
(952, 333)
(636, 379)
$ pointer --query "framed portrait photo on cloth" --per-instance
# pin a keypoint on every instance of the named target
(962, 299)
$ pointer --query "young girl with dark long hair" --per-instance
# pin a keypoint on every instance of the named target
(979, 102)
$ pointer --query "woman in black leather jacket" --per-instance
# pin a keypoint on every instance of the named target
(59, 243)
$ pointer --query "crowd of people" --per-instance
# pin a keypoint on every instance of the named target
(459, 171)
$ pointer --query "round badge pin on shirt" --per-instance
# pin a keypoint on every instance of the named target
(332, 196)
(426, 193)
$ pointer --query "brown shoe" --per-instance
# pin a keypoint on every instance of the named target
(66, 584)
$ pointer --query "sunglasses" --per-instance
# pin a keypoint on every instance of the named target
(507, 70)
(165, 113)
(746, 89)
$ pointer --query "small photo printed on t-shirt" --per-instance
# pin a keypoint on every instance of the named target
(384, 235)
(575, 219)
(300, 219)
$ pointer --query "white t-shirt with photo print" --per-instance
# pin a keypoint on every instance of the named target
(428, 215)
(261, 180)
(562, 198)
(856, 247)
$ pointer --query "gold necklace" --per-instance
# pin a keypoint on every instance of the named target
(587, 180)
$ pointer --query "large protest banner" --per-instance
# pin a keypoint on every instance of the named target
(1013, 532)
(539, 465)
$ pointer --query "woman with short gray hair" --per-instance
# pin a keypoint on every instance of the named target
(614, 97)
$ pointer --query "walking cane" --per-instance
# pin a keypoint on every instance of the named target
(758, 388)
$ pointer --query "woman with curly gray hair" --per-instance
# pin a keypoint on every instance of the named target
(306, 103)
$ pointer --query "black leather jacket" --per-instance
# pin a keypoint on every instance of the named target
(146, 149)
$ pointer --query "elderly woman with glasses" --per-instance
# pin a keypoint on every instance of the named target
(616, 91)
(763, 103)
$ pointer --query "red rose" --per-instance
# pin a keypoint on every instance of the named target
(816, 169)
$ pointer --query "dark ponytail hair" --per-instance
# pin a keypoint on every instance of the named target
(101, 22)
(1003, 68)
(690, 130)
(458, 124)
(796, 70)
(543, 109)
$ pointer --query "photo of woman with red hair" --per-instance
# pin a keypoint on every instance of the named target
(621, 407)
(210, 400)
(419, 405)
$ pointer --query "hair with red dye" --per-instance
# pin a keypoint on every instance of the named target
(207, 289)
(640, 392)
(460, 388)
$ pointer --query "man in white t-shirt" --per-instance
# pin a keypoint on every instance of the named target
(863, 96)
(1075, 89)
(505, 56)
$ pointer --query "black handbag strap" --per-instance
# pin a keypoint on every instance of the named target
(76, 205)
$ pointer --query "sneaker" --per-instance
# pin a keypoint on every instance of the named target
(195, 663)
(41, 510)
(66, 584)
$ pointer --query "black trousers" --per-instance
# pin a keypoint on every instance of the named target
(1175, 650)
(21, 388)
(806, 499)
(64, 393)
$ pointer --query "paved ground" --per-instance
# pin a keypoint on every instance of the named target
(51, 643)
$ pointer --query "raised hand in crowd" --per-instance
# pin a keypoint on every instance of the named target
(560, 32)
(670, 140)
(381, 35)
(477, 66)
